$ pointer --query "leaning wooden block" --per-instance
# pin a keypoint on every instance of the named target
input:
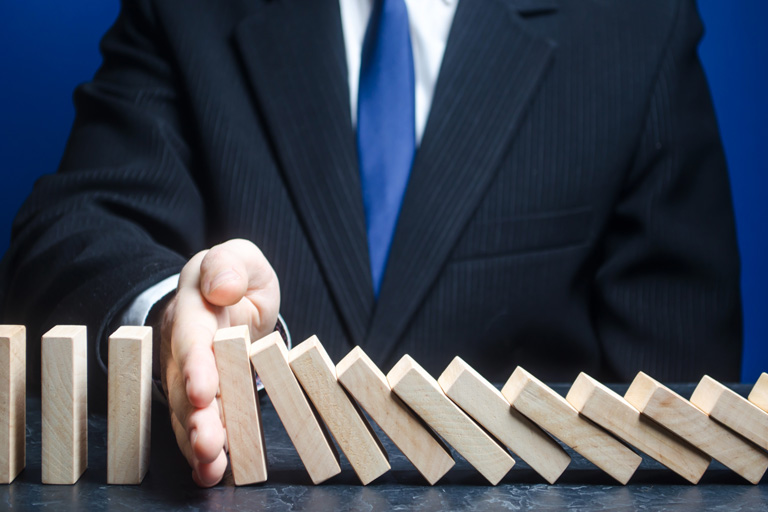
(13, 398)
(269, 358)
(759, 393)
(674, 412)
(129, 404)
(733, 411)
(422, 393)
(481, 400)
(242, 416)
(554, 414)
(610, 411)
(369, 386)
(317, 375)
(64, 404)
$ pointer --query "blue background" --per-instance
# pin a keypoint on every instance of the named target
(48, 47)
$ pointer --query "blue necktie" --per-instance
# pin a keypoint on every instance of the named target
(386, 138)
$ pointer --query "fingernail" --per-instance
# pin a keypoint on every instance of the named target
(222, 278)
(193, 437)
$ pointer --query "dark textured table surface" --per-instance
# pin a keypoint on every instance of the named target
(168, 484)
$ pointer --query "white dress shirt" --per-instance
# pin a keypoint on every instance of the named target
(430, 22)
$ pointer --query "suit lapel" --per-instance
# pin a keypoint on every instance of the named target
(294, 55)
(490, 71)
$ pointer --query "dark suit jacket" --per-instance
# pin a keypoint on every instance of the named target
(568, 209)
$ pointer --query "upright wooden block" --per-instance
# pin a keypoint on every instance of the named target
(129, 404)
(13, 399)
(245, 434)
(317, 375)
(554, 414)
(759, 393)
(687, 421)
(269, 358)
(610, 411)
(481, 400)
(369, 386)
(422, 393)
(64, 404)
(733, 411)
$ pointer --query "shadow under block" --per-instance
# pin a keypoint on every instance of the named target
(732, 410)
(481, 400)
(674, 412)
(317, 375)
(64, 404)
(368, 385)
(129, 409)
(759, 393)
(610, 411)
(422, 393)
(242, 416)
(269, 358)
(554, 414)
(13, 399)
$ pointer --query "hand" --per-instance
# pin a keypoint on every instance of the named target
(230, 284)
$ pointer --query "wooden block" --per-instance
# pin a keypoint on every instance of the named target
(554, 414)
(317, 375)
(610, 411)
(732, 410)
(64, 404)
(481, 400)
(269, 358)
(368, 385)
(242, 416)
(13, 399)
(759, 393)
(674, 412)
(422, 393)
(129, 404)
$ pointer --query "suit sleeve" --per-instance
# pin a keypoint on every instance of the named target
(667, 296)
(122, 212)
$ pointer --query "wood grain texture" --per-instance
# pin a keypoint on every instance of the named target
(732, 410)
(269, 357)
(317, 375)
(13, 400)
(129, 404)
(759, 393)
(64, 404)
(674, 412)
(554, 414)
(242, 416)
(612, 412)
(481, 400)
(368, 385)
(421, 392)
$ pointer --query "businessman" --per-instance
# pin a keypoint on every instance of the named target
(533, 182)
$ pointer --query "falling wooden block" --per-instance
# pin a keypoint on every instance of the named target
(269, 358)
(554, 414)
(129, 409)
(759, 393)
(64, 404)
(13, 395)
(481, 400)
(317, 375)
(242, 416)
(610, 411)
(422, 393)
(732, 410)
(369, 386)
(674, 412)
